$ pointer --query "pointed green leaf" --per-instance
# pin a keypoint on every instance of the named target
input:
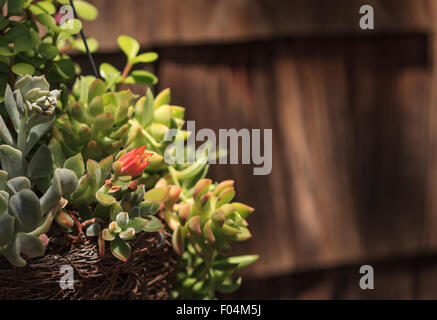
(145, 57)
(120, 249)
(75, 164)
(11, 107)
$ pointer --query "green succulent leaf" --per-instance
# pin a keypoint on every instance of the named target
(153, 225)
(157, 194)
(141, 77)
(7, 223)
(104, 198)
(129, 46)
(85, 10)
(127, 234)
(93, 230)
(48, 51)
(120, 249)
(72, 26)
(41, 164)
(145, 57)
(108, 235)
(22, 69)
(17, 184)
(26, 207)
(47, 20)
(235, 262)
(11, 108)
(137, 223)
(42, 7)
(36, 134)
(122, 219)
(30, 246)
(163, 98)
(12, 253)
(229, 287)
(12, 161)
(75, 164)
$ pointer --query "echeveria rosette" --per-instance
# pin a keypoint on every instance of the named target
(37, 96)
(29, 125)
(24, 217)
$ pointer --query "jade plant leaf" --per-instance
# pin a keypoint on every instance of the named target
(85, 10)
(145, 57)
(129, 46)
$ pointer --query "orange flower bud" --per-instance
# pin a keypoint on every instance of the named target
(134, 162)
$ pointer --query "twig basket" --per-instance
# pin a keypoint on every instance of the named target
(146, 275)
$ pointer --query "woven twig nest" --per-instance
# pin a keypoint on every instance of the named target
(146, 275)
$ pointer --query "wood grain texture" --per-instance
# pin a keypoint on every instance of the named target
(170, 22)
(350, 142)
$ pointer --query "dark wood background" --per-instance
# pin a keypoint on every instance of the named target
(354, 121)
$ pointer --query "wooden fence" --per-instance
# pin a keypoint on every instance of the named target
(354, 121)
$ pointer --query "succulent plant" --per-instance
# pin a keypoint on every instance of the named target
(110, 192)
(203, 227)
(24, 217)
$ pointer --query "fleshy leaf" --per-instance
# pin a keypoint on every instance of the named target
(6, 229)
(30, 245)
(120, 249)
(75, 164)
(129, 46)
(25, 206)
(41, 164)
(153, 225)
(93, 230)
(12, 161)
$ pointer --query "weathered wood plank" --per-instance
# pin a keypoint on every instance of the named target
(169, 22)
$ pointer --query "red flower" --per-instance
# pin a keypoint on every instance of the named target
(134, 162)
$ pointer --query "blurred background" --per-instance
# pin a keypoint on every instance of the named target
(354, 119)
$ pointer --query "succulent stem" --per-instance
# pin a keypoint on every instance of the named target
(45, 227)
